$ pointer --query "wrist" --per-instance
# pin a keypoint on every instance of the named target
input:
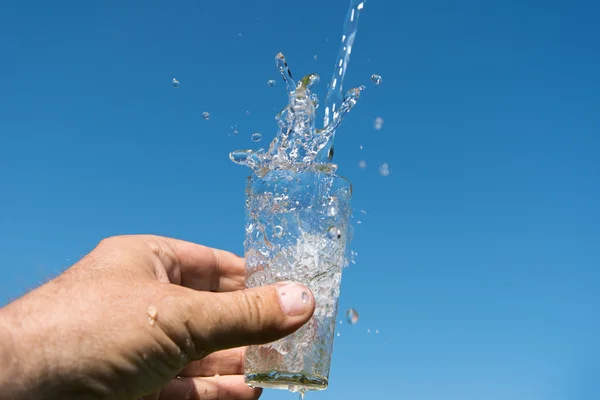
(19, 377)
(10, 370)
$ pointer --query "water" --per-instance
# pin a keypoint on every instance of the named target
(152, 313)
(378, 124)
(175, 83)
(206, 115)
(299, 145)
(256, 137)
(384, 170)
(362, 164)
(288, 239)
(352, 316)
(377, 80)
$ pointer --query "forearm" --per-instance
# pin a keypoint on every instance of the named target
(11, 366)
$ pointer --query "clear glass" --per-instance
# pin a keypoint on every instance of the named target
(297, 229)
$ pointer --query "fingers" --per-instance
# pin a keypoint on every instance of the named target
(218, 321)
(228, 387)
(203, 268)
(226, 362)
(253, 316)
(182, 263)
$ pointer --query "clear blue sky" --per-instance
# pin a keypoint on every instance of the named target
(479, 256)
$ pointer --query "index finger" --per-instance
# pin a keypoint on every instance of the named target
(199, 267)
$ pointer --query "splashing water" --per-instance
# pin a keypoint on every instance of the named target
(299, 145)
(175, 83)
(377, 80)
(384, 170)
(271, 82)
(352, 316)
(256, 137)
(206, 115)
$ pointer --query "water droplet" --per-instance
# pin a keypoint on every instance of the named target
(256, 137)
(152, 311)
(206, 115)
(247, 112)
(361, 146)
(334, 233)
(316, 57)
(359, 222)
(377, 331)
(368, 331)
(330, 154)
(234, 130)
(175, 83)
(376, 79)
(384, 170)
(362, 164)
(271, 82)
(278, 232)
(338, 334)
(378, 123)
(352, 316)
(305, 297)
(341, 322)
(363, 212)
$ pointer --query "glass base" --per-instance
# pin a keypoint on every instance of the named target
(287, 381)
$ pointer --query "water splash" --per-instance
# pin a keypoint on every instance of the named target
(298, 144)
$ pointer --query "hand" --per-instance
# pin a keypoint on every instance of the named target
(143, 316)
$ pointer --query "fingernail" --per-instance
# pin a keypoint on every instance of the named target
(295, 298)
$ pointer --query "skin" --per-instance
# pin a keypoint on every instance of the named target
(144, 317)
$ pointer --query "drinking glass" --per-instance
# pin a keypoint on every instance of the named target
(297, 229)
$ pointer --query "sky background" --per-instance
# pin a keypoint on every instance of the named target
(478, 260)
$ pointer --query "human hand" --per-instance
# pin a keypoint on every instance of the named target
(143, 316)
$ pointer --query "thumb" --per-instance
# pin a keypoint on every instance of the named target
(260, 315)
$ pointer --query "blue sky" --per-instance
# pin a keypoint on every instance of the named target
(478, 258)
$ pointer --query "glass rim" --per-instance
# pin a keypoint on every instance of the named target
(337, 176)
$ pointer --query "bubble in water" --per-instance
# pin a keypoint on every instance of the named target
(334, 233)
(376, 79)
(352, 316)
(256, 137)
(278, 231)
(206, 115)
(378, 123)
(175, 82)
(384, 170)
(362, 164)
(271, 82)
